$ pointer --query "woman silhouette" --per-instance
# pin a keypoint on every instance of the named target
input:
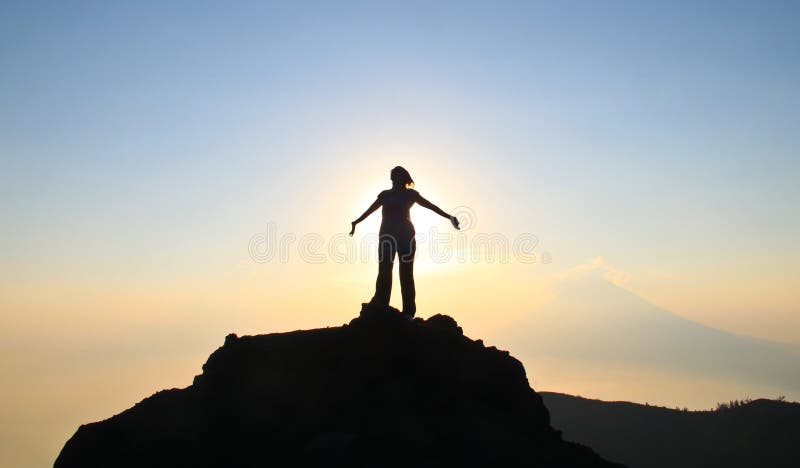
(396, 236)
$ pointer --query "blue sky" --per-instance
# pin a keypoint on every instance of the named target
(672, 126)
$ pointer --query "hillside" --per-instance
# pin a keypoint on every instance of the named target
(380, 391)
(762, 433)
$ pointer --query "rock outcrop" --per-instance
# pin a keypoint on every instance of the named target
(381, 391)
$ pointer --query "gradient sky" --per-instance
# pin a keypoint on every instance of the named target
(143, 145)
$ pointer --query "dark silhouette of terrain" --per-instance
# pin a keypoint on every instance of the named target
(759, 433)
(382, 391)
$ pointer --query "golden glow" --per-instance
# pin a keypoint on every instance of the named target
(107, 336)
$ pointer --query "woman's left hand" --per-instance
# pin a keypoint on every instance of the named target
(352, 228)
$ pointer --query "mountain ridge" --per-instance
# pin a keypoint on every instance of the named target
(745, 434)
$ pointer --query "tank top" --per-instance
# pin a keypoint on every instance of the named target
(396, 215)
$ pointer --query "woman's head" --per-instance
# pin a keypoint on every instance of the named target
(401, 177)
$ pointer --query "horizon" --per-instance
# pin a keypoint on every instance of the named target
(151, 153)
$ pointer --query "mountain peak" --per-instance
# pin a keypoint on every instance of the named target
(380, 391)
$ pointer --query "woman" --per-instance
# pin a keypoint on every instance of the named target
(396, 236)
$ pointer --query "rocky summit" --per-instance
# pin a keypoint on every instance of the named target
(381, 391)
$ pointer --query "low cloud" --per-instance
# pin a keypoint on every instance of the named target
(596, 266)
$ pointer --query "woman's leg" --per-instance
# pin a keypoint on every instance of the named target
(407, 280)
(383, 285)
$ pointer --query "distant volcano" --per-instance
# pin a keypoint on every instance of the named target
(596, 322)
(381, 391)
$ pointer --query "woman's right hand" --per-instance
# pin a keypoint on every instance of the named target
(352, 228)
(454, 220)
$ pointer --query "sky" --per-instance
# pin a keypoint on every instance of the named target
(145, 148)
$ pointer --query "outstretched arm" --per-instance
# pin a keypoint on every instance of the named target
(425, 203)
(374, 206)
